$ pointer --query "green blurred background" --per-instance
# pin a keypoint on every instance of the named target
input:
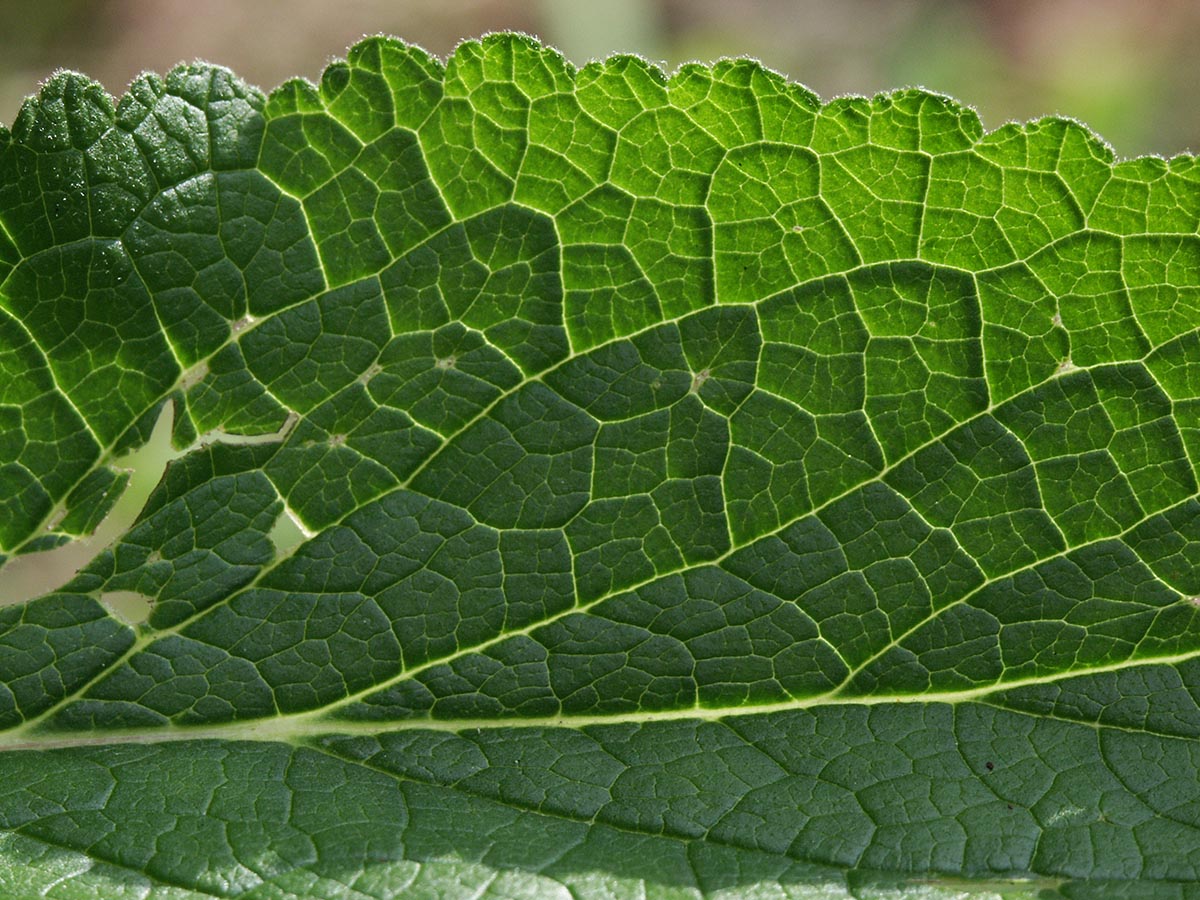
(1128, 69)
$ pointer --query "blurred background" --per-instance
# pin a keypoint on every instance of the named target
(1129, 70)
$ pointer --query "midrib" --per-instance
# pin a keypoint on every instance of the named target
(300, 728)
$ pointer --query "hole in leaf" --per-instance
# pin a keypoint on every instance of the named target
(287, 533)
(35, 574)
(130, 607)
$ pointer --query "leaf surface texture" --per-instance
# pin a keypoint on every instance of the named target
(705, 490)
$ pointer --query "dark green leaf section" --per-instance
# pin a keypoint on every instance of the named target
(689, 471)
(860, 787)
(262, 812)
(672, 809)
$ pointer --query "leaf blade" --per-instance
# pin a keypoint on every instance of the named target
(766, 459)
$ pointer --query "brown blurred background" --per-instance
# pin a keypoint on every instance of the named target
(1128, 69)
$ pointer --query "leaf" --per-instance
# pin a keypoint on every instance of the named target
(706, 491)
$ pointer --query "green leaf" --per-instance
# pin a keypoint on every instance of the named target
(705, 492)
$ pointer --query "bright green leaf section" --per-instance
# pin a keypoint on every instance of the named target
(706, 492)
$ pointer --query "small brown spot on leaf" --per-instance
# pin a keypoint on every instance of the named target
(698, 380)
(194, 375)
